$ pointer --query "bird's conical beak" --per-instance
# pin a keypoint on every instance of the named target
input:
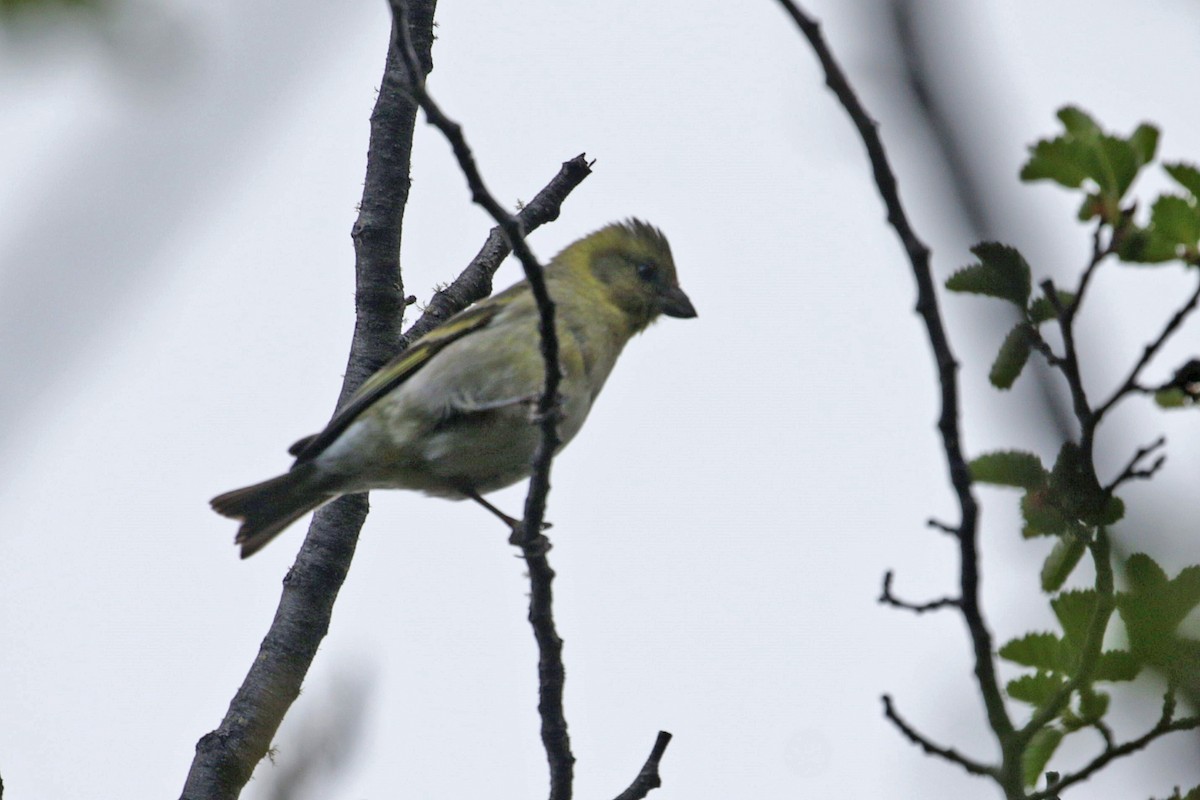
(674, 303)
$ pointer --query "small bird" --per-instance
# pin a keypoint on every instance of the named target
(452, 416)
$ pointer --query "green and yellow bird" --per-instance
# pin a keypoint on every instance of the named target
(451, 416)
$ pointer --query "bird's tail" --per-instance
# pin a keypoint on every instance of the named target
(266, 508)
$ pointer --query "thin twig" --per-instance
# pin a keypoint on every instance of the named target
(1040, 344)
(944, 527)
(949, 754)
(1164, 726)
(475, 282)
(1100, 251)
(1130, 384)
(1132, 471)
(1069, 364)
(887, 598)
(947, 368)
(648, 778)
(533, 543)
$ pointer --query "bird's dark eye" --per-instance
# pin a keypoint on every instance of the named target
(645, 271)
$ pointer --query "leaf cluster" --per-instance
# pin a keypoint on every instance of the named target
(1067, 500)
(1103, 166)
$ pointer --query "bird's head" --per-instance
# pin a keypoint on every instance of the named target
(631, 261)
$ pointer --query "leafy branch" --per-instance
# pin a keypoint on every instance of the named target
(1067, 502)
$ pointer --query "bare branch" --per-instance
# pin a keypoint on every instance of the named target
(949, 754)
(1132, 470)
(226, 757)
(947, 368)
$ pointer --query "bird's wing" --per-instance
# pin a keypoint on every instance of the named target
(396, 372)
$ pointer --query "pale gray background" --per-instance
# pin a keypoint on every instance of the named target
(178, 185)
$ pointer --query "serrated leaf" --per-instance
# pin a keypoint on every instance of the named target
(1061, 160)
(1186, 175)
(1173, 219)
(1117, 665)
(1001, 272)
(1074, 610)
(1037, 754)
(1041, 516)
(1009, 468)
(1061, 562)
(1037, 650)
(1037, 690)
(1144, 140)
(1186, 586)
(1011, 358)
(1042, 310)
(1007, 262)
(1145, 574)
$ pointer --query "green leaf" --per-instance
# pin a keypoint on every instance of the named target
(1153, 609)
(1061, 562)
(1038, 650)
(1014, 352)
(1111, 513)
(1144, 246)
(1074, 610)
(1186, 175)
(1174, 221)
(1009, 263)
(1085, 152)
(1037, 754)
(1061, 160)
(1187, 589)
(1042, 310)
(1042, 518)
(1001, 272)
(1078, 122)
(1009, 468)
(1117, 665)
(1119, 166)
(1145, 574)
(1172, 398)
(1144, 140)
(1037, 690)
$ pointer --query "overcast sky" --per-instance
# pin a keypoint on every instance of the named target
(176, 301)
